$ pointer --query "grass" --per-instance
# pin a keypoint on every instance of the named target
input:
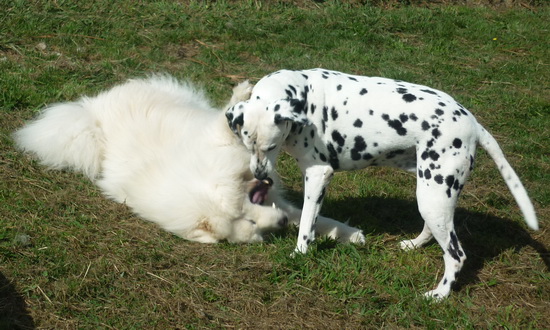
(69, 258)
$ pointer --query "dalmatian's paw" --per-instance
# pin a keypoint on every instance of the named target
(436, 295)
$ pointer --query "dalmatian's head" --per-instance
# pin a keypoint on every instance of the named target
(264, 129)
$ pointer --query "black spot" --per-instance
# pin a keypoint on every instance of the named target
(371, 112)
(402, 90)
(439, 112)
(333, 157)
(334, 113)
(345, 102)
(312, 133)
(363, 91)
(457, 143)
(324, 76)
(456, 185)
(450, 180)
(436, 133)
(398, 127)
(339, 87)
(358, 146)
(409, 98)
(320, 199)
(367, 156)
(442, 104)
(454, 248)
(420, 174)
(292, 88)
(413, 117)
(277, 108)
(433, 155)
(325, 113)
(352, 78)
(323, 157)
(428, 91)
(358, 123)
(403, 117)
(438, 178)
(338, 138)
(425, 126)
(425, 155)
(278, 119)
(298, 106)
(313, 106)
(427, 174)
(239, 121)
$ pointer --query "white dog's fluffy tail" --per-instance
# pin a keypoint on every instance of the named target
(488, 142)
(65, 135)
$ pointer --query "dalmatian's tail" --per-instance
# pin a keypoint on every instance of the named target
(488, 142)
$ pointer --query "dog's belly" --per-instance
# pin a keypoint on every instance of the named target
(401, 158)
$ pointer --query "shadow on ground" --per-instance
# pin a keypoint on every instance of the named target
(13, 310)
(483, 237)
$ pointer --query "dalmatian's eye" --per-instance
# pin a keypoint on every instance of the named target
(271, 147)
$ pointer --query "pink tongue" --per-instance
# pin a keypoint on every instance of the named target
(259, 196)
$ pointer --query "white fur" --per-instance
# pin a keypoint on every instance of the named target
(158, 146)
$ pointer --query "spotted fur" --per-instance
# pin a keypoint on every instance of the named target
(331, 121)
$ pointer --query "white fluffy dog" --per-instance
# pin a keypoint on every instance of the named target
(158, 146)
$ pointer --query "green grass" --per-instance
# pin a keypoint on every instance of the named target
(69, 258)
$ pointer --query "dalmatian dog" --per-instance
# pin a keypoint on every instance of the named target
(331, 121)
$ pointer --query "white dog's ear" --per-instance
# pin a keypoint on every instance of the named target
(235, 117)
(290, 109)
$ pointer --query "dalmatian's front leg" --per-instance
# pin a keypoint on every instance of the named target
(316, 179)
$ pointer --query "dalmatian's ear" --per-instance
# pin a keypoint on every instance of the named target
(235, 117)
(293, 110)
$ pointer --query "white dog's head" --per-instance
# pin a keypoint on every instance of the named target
(264, 129)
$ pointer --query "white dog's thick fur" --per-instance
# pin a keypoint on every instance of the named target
(158, 146)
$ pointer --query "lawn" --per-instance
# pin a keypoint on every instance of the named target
(69, 258)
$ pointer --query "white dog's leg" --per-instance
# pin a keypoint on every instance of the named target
(241, 92)
(339, 231)
(316, 180)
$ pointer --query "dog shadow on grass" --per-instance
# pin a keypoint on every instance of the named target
(13, 309)
(483, 237)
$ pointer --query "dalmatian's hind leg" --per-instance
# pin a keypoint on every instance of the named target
(424, 237)
(438, 212)
(437, 196)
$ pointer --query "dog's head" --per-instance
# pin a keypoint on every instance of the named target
(264, 129)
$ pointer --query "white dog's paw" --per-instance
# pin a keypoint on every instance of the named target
(242, 91)
(407, 245)
(357, 238)
(351, 235)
